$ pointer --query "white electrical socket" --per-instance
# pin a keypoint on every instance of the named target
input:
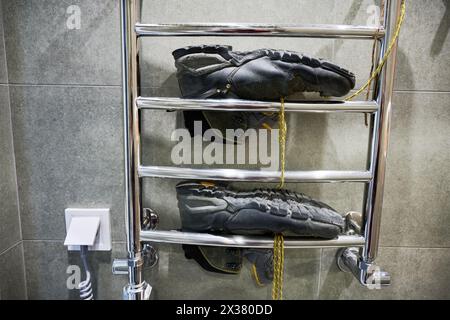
(103, 239)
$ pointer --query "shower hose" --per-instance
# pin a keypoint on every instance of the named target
(85, 286)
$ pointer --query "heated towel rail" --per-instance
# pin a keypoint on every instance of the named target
(359, 250)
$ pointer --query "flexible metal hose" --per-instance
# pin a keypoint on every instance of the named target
(85, 286)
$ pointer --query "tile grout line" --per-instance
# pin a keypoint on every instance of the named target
(4, 42)
(25, 278)
(14, 159)
(10, 248)
(319, 277)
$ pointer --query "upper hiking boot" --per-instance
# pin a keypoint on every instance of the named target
(215, 71)
(264, 74)
(206, 208)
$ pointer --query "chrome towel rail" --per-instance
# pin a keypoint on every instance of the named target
(258, 30)
(249, 105)
(253, 175)
(360, 258)
(206, 239)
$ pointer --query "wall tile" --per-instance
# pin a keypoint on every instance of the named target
(416, 273)
(419, 66)
(69, 153)
(250, 11)
(417, 182)
(9, 210)
(3, 71)
(175, 277)
(43, 256)
(424, 47)
(12, 274)
(355, 55)
(57, 54)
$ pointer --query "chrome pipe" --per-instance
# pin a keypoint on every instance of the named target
(137, 288)
(205, 239)
(258, 30)
(253, 175)
(252, 106)
(380, 141)
(370, 275)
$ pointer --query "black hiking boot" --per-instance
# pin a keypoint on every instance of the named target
(217, 72)
(205, 208)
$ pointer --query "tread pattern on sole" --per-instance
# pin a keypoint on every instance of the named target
(280, 203)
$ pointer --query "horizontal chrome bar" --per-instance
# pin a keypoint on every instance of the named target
(205, 239)
(253, 175)
(261, 30)
(249, 105)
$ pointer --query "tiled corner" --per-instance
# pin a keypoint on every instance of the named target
(69, 153)
(3, 69)
(9, 209)
(175, 277)
(12, 274)
(58, 54)
(47, 263)
(416, 273)
(416, 206)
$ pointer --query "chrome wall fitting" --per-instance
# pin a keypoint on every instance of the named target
(353, 221)
(151, 256)
(120, 267)
(369, 275)
(150, 219)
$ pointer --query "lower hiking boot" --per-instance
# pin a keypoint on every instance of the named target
(261, 263)
(229, 261)
(215, 259)
(206, 208)
(215, 71)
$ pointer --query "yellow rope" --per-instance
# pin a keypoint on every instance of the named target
(278, 267)
(282, 142)
(387, 53)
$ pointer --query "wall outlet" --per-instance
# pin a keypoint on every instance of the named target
(103, 239)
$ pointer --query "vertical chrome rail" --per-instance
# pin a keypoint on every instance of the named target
(379, 141)
(137, 288)
(384, 90)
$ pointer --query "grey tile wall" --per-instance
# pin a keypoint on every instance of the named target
(416, 213)
(10, 232)
(68, 142)
(12, 274)
(3, 69)
(57, 54)
(47, 271)
(417, 273)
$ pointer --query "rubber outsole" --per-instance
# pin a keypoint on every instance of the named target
(256, 212)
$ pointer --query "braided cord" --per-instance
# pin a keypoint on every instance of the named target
(386, 55)
(278, 267)
(282, 142)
